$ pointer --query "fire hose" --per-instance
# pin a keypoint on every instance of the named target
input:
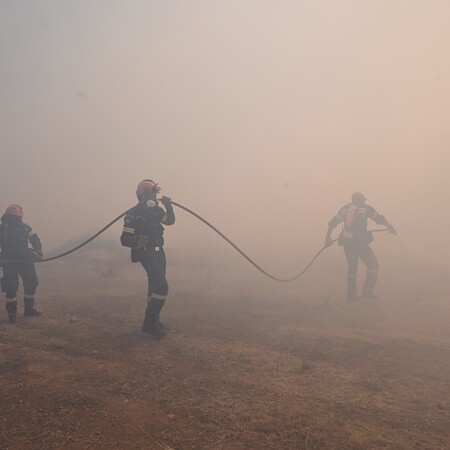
(197, 216)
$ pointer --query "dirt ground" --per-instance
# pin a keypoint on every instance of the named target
(248, 363)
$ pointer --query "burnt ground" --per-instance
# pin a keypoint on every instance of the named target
(246, 365)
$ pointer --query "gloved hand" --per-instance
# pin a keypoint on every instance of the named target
(391, 229)
(329, 242)
(36, 254)
(166, 201)
(141, 241)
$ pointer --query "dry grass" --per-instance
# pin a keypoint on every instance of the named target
(238, 370)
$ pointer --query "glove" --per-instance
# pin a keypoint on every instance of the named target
(141, 241)
(329, 242)
(166, 201)
(391, 230)
(36, 254)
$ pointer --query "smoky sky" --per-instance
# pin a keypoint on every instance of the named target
(262, 116)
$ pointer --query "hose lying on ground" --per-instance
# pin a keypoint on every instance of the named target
(267, 274)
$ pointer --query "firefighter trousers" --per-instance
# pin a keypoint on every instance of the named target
(354, 251)
(10, 281)
(154, 264)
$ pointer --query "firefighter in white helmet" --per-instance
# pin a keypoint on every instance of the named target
(356, 239)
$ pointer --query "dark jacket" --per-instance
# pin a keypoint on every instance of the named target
(142, 220)
(355, 220)
(15, 237)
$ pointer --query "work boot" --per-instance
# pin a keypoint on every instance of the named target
(370, 283)
(151, 324)
(29, 308)
(155, 329)
(351, 289)
(159, 306)
(11, 309)
(352, 298)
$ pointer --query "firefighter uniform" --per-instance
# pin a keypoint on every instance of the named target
(356, 239)
(15, 238)
(143, 232)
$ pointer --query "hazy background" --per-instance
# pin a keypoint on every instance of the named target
(262, 116)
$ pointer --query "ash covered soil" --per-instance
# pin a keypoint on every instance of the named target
(247, 364)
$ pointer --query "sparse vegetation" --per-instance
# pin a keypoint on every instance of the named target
(233, 373)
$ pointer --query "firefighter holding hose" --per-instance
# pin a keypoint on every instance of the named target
(16, 237)
(356, 239)
(143, 232)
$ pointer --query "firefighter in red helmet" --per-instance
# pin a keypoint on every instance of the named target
(15, 240)
(143, 233)
(356, 239)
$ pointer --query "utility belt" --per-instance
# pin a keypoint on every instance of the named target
(24, 257)
(138, 254)
(152, 249)
(347, 237)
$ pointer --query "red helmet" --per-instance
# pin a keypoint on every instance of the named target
(147, 186)
(14, 210)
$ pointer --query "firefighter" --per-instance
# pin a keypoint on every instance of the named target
(356, 239)
(143, 233)
(15, 237)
